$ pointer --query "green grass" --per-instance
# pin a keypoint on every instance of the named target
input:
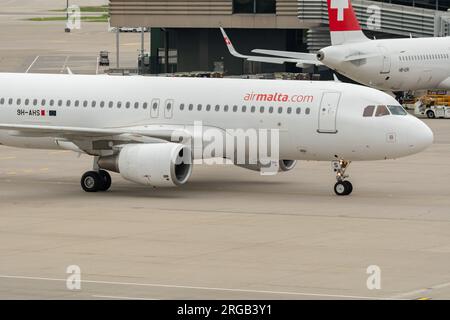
(102, 18)
(88, 9)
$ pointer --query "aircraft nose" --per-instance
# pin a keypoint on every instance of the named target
(421, 136)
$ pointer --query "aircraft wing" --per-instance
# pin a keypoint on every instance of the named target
(153, 131)
(288, 54)
(93, 140)
(279, 57)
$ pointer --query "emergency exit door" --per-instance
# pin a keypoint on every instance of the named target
(328, 112)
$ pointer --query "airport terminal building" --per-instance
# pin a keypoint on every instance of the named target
(187, 35)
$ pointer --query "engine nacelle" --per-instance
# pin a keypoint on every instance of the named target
(157, 165)
(287, 165)
(283, 165)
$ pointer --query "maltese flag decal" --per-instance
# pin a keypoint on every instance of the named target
(342, 16)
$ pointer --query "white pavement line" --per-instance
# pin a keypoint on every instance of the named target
(119, 298)
(65, 64)
(203, 288)
(423, 291)
(31, 65)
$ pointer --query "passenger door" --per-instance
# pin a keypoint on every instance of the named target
(328, 112)
(386, 63)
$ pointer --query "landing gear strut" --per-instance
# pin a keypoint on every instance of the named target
(342, 187)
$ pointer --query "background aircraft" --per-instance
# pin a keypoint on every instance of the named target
(388, 64)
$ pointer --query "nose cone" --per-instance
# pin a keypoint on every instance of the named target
(420, 136)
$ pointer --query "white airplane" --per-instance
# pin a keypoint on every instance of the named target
(389, 64)
(140, 126)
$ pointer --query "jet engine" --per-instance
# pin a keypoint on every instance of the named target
(157, 165)
(283, 165)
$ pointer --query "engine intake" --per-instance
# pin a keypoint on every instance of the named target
(157, 165)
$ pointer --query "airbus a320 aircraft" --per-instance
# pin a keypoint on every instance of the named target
(388, 64)
(128, 124)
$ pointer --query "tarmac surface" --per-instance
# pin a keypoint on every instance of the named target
(229, 233)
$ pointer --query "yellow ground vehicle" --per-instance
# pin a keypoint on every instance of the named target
(436, 104)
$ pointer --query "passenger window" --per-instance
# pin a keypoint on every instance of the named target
(111, 104)
(235, 108)
(68, 103)
(27, 101)
(382, 111)
(289, 110)
(271, 110)
(253, 109)
(217, 108)
(225, 108)
(261, 109)
(191, 107)
(10, 101)
(199, 107)
(307, 111)
(43, 102)
(280, 110)
(18, 101)
(34, 102)
(208, 107)
(119, 105)
(2, 101)
(60, 102)
(128, 104)
(102, 104)
(299, 110)
(136, 105)
(85, 103)
(145, 105)
(244, 108)
(368, 111)
(182, 106)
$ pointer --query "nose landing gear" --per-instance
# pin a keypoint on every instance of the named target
(342, 187)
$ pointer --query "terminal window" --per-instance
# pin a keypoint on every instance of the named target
(254, 6)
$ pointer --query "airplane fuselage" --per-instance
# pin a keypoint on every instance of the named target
(316, 120)
(394, 64)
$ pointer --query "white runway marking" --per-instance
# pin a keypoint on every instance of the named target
(31, 65)
(423, 291)
(119, 298)
(63, 68)
(337, 296)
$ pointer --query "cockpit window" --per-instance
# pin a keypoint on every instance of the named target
(382, 111)
(368, 111)
(397, 110)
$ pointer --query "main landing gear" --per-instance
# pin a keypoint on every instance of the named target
(96, 180)
(342, 187)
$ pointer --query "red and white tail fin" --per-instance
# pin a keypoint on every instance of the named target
(344, 25)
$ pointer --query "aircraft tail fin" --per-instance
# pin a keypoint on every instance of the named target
(344, 25)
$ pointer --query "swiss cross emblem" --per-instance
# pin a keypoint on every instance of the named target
(340, 5)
